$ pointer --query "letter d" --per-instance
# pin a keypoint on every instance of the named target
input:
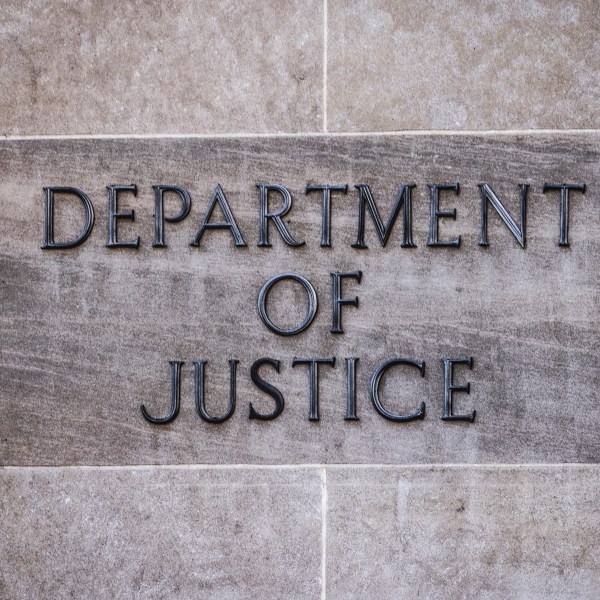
(49, 242)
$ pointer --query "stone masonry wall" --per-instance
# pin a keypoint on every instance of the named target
(95, 502)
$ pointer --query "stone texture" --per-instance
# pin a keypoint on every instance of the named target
(463, 65)
(160, 67)
(87, 333)
(470, 532)
(160, 533)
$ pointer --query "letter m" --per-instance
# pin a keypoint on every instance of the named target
(403, 200)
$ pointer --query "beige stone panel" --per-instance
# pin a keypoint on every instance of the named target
(467, 532)
(87, 333)
(463, 65)
(160, 533)
(160, 67)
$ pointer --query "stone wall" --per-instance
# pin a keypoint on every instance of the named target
(97, 502)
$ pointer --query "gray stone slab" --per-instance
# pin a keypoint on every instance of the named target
(151, 67)
(87, 333)
(160, 533)
(462, 65)
(469, 532)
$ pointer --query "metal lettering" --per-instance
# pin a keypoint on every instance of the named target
(267, 388)
(275, 216)
(218, 197)
(175, 396)
(450, 388)
(351, 389)
(376, 381)
(199, 389)
(49, 242)
(435, 214)
(564, 206)
(326, 213)
(113, 215)
(487, 195)
(404, 200)
(312, 303)
(337, 299)
(313, 382)
(159, 211)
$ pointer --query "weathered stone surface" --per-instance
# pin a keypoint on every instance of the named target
(87, 333)
(469, 532)
(156, 67)
(463, 65)
(160, 533)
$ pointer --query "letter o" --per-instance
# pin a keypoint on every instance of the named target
(312, 303)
